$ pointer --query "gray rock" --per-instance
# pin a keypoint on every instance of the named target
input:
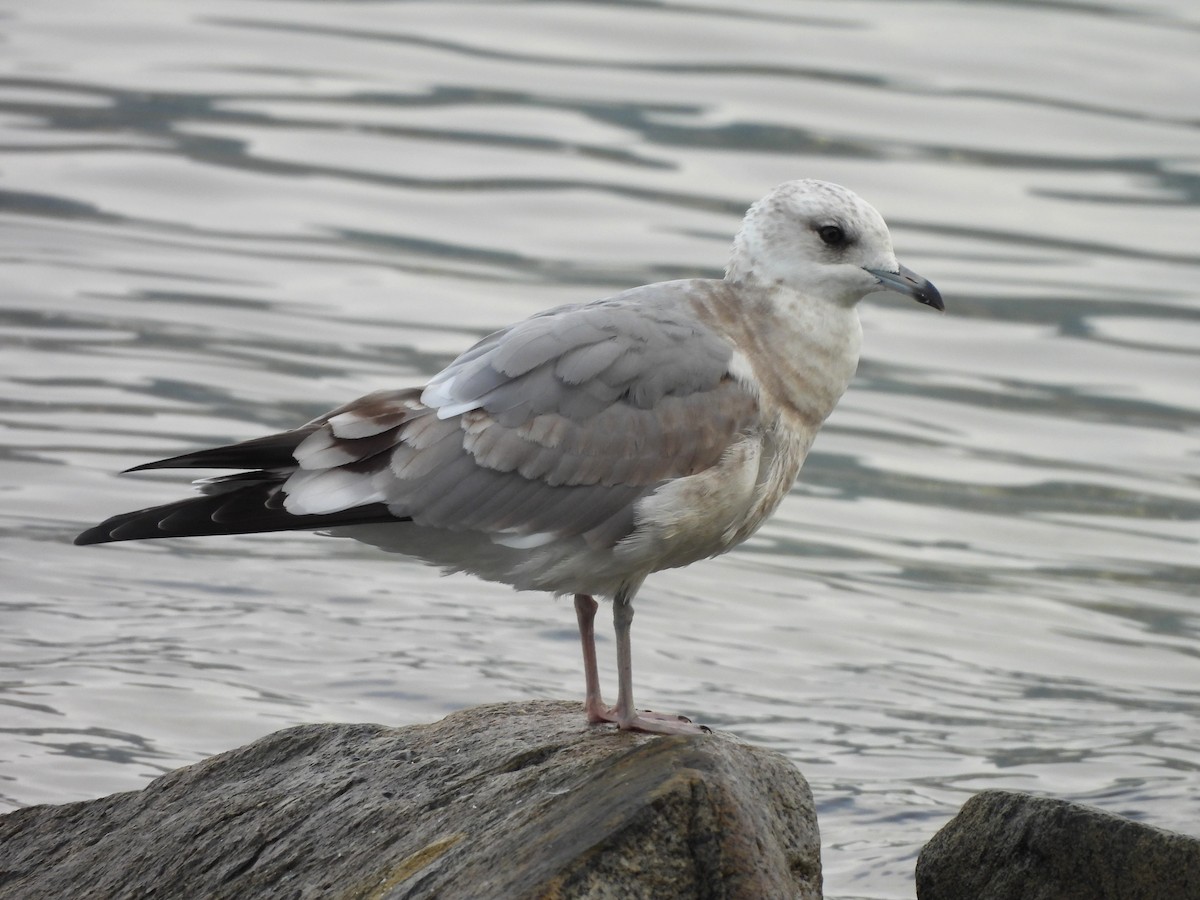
(1011, 846)
(504, 801)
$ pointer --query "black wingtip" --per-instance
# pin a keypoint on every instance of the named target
(248, 510)
(96, 535)
(130, 526)
(271, 452)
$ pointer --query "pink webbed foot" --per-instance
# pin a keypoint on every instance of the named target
(645, 721)
(662, 723)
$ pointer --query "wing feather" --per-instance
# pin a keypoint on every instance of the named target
(552, 428)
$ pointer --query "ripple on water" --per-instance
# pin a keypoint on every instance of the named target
(221, 219)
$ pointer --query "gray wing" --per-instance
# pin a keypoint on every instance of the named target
(550, 428)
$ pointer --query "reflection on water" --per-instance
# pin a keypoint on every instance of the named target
(221, 218)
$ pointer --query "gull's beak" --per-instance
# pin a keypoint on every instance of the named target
(906, 281)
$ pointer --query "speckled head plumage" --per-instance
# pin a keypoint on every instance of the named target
(821, 240)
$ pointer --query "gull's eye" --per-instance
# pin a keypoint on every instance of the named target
(832, 235)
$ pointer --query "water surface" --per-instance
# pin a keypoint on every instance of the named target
(222, 218)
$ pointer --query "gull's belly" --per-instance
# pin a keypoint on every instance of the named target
(706, 514)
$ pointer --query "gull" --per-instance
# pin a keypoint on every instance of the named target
(583, 448)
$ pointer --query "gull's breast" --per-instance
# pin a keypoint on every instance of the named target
(705, 514)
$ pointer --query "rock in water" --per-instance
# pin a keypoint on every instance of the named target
(503, 801)
(1005, 845)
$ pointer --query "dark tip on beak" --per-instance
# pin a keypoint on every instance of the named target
(906, 281)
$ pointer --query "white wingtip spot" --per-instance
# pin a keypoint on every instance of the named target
(319, 451)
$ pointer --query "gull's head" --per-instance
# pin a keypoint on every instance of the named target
(822, 241)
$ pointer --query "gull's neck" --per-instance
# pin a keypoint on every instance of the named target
(798, 352)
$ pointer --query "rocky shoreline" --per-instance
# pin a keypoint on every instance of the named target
(522, 800)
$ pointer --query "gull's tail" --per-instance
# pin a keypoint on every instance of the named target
(244, 503)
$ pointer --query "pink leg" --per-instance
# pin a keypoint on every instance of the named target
(593, 704)
(624, 713)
